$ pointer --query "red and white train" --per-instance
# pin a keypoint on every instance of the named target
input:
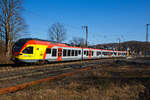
(31, 50)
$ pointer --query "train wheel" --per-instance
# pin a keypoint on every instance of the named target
(41, 62)
(46, 62)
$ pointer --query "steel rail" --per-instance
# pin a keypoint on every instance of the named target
(31, 74)
(28, 73)
(27, 84)
(11, 68)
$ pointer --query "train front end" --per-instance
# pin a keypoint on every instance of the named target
(22, 52)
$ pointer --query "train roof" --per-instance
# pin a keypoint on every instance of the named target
(25, 40)
(40, 41)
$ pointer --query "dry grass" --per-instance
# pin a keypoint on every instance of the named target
(4, 59)
(101, 83)
(113, 92)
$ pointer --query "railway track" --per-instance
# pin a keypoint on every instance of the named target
(26, 84)
(13, 67)
(34, 73)
(35, 70)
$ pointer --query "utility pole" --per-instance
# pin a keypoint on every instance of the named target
(147, 32)
(147, 38)
(86, 27)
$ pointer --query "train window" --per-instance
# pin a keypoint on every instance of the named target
(115, 53)
(54, 52)
(76, 53)
(69, 52)
(87, 53)
(64, 52)
(79, 52)
(72, 52)
(84, 52)
(112, 53)
(48, 51)
(100, 53)
(104, 53)
(107, 53)
(28, 50)
(92, 53)
(19, 44)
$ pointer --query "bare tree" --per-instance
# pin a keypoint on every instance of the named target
(11, 22)
(57, 32)
(77, 41)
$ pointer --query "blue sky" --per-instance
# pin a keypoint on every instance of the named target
(107, 20)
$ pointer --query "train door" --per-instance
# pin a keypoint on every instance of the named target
(90, 53)
(110, 54)
(59, 58)
(118, 54)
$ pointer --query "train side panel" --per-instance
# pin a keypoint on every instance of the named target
(66, 54)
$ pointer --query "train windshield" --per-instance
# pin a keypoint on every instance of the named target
(18, 45)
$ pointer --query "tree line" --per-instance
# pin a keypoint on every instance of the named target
(11, 22)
